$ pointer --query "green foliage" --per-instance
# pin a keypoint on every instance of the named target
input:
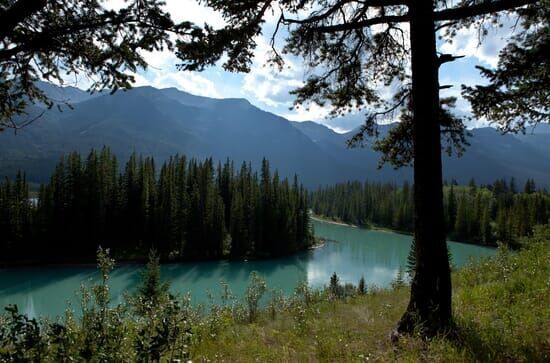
(16, 215)
(152, 291)
(73, 39)
(304, 294)
(276, 301)
(517, 94)
(362, 287)
(20, 338)
(502, 302)
(190, 210)
(482, 215)
(334, 286)
(165, 326)
(102, 327)
(254, 292)
(399, 280)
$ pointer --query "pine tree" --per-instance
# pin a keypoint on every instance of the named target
(334, 286)
(152, 290)
(362, 287)
(462, 218)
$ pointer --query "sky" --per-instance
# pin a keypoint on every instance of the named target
(268, 89)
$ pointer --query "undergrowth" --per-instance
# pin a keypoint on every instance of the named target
(501, 309)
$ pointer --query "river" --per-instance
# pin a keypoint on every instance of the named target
(351, 253)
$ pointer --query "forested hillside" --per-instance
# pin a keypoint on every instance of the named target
(501, 211)
(187, 209)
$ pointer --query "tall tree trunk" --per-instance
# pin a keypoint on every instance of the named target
(430, 300)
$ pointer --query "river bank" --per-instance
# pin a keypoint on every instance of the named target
(369, 227)
(311, 325)
(377, 256)
(324, 219)
(140, 258)
(331, 221)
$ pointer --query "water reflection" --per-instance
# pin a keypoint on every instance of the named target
(376, 255)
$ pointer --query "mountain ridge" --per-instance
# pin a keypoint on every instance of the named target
(164, 122)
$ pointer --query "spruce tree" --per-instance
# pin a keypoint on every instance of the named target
(152, 290)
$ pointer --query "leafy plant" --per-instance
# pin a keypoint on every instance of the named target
(254, 292)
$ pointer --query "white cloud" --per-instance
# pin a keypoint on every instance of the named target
(182, 10)
(312, 113)
(187, 81)
(191, 10)
(162, 73)
(267, 84)
(269, 88)
(486, 48)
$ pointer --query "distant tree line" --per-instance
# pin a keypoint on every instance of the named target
(190, 209)
(478, 214)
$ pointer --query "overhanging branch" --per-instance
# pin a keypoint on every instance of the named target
(450, 15)
(480, 9)
(22, 9)
(388, 19)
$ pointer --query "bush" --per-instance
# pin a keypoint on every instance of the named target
(254, 292)
(362, 287)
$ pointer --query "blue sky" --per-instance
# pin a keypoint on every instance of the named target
(269, 89)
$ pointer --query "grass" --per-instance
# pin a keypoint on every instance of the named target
(501, 308)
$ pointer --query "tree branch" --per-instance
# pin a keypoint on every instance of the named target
(361, 24)
(452, 14)
(445, 58)
(480, 9)
(9, 18)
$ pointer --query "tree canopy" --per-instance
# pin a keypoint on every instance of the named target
(189, 209)
(353, 49)
(55, 40)
(517, 94)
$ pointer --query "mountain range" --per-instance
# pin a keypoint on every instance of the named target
(164, 122)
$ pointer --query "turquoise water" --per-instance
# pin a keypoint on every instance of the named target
(352, 253)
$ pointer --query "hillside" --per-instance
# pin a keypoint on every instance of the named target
(357, 328)
(489, 156)
(163, 122)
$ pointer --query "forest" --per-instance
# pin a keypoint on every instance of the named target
(485, 214)
(187, 209)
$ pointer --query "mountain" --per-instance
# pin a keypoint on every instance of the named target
(489, 156)
(66, 94)
(164, 122)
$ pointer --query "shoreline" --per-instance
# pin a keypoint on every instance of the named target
(369, 228)
(388, 230)
(325, 220)
(142, 261)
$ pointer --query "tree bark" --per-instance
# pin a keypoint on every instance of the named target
(430, 301)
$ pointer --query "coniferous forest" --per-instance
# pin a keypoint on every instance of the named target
(186, 209)
(486, 214)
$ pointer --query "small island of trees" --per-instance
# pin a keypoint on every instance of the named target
(190, 209)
